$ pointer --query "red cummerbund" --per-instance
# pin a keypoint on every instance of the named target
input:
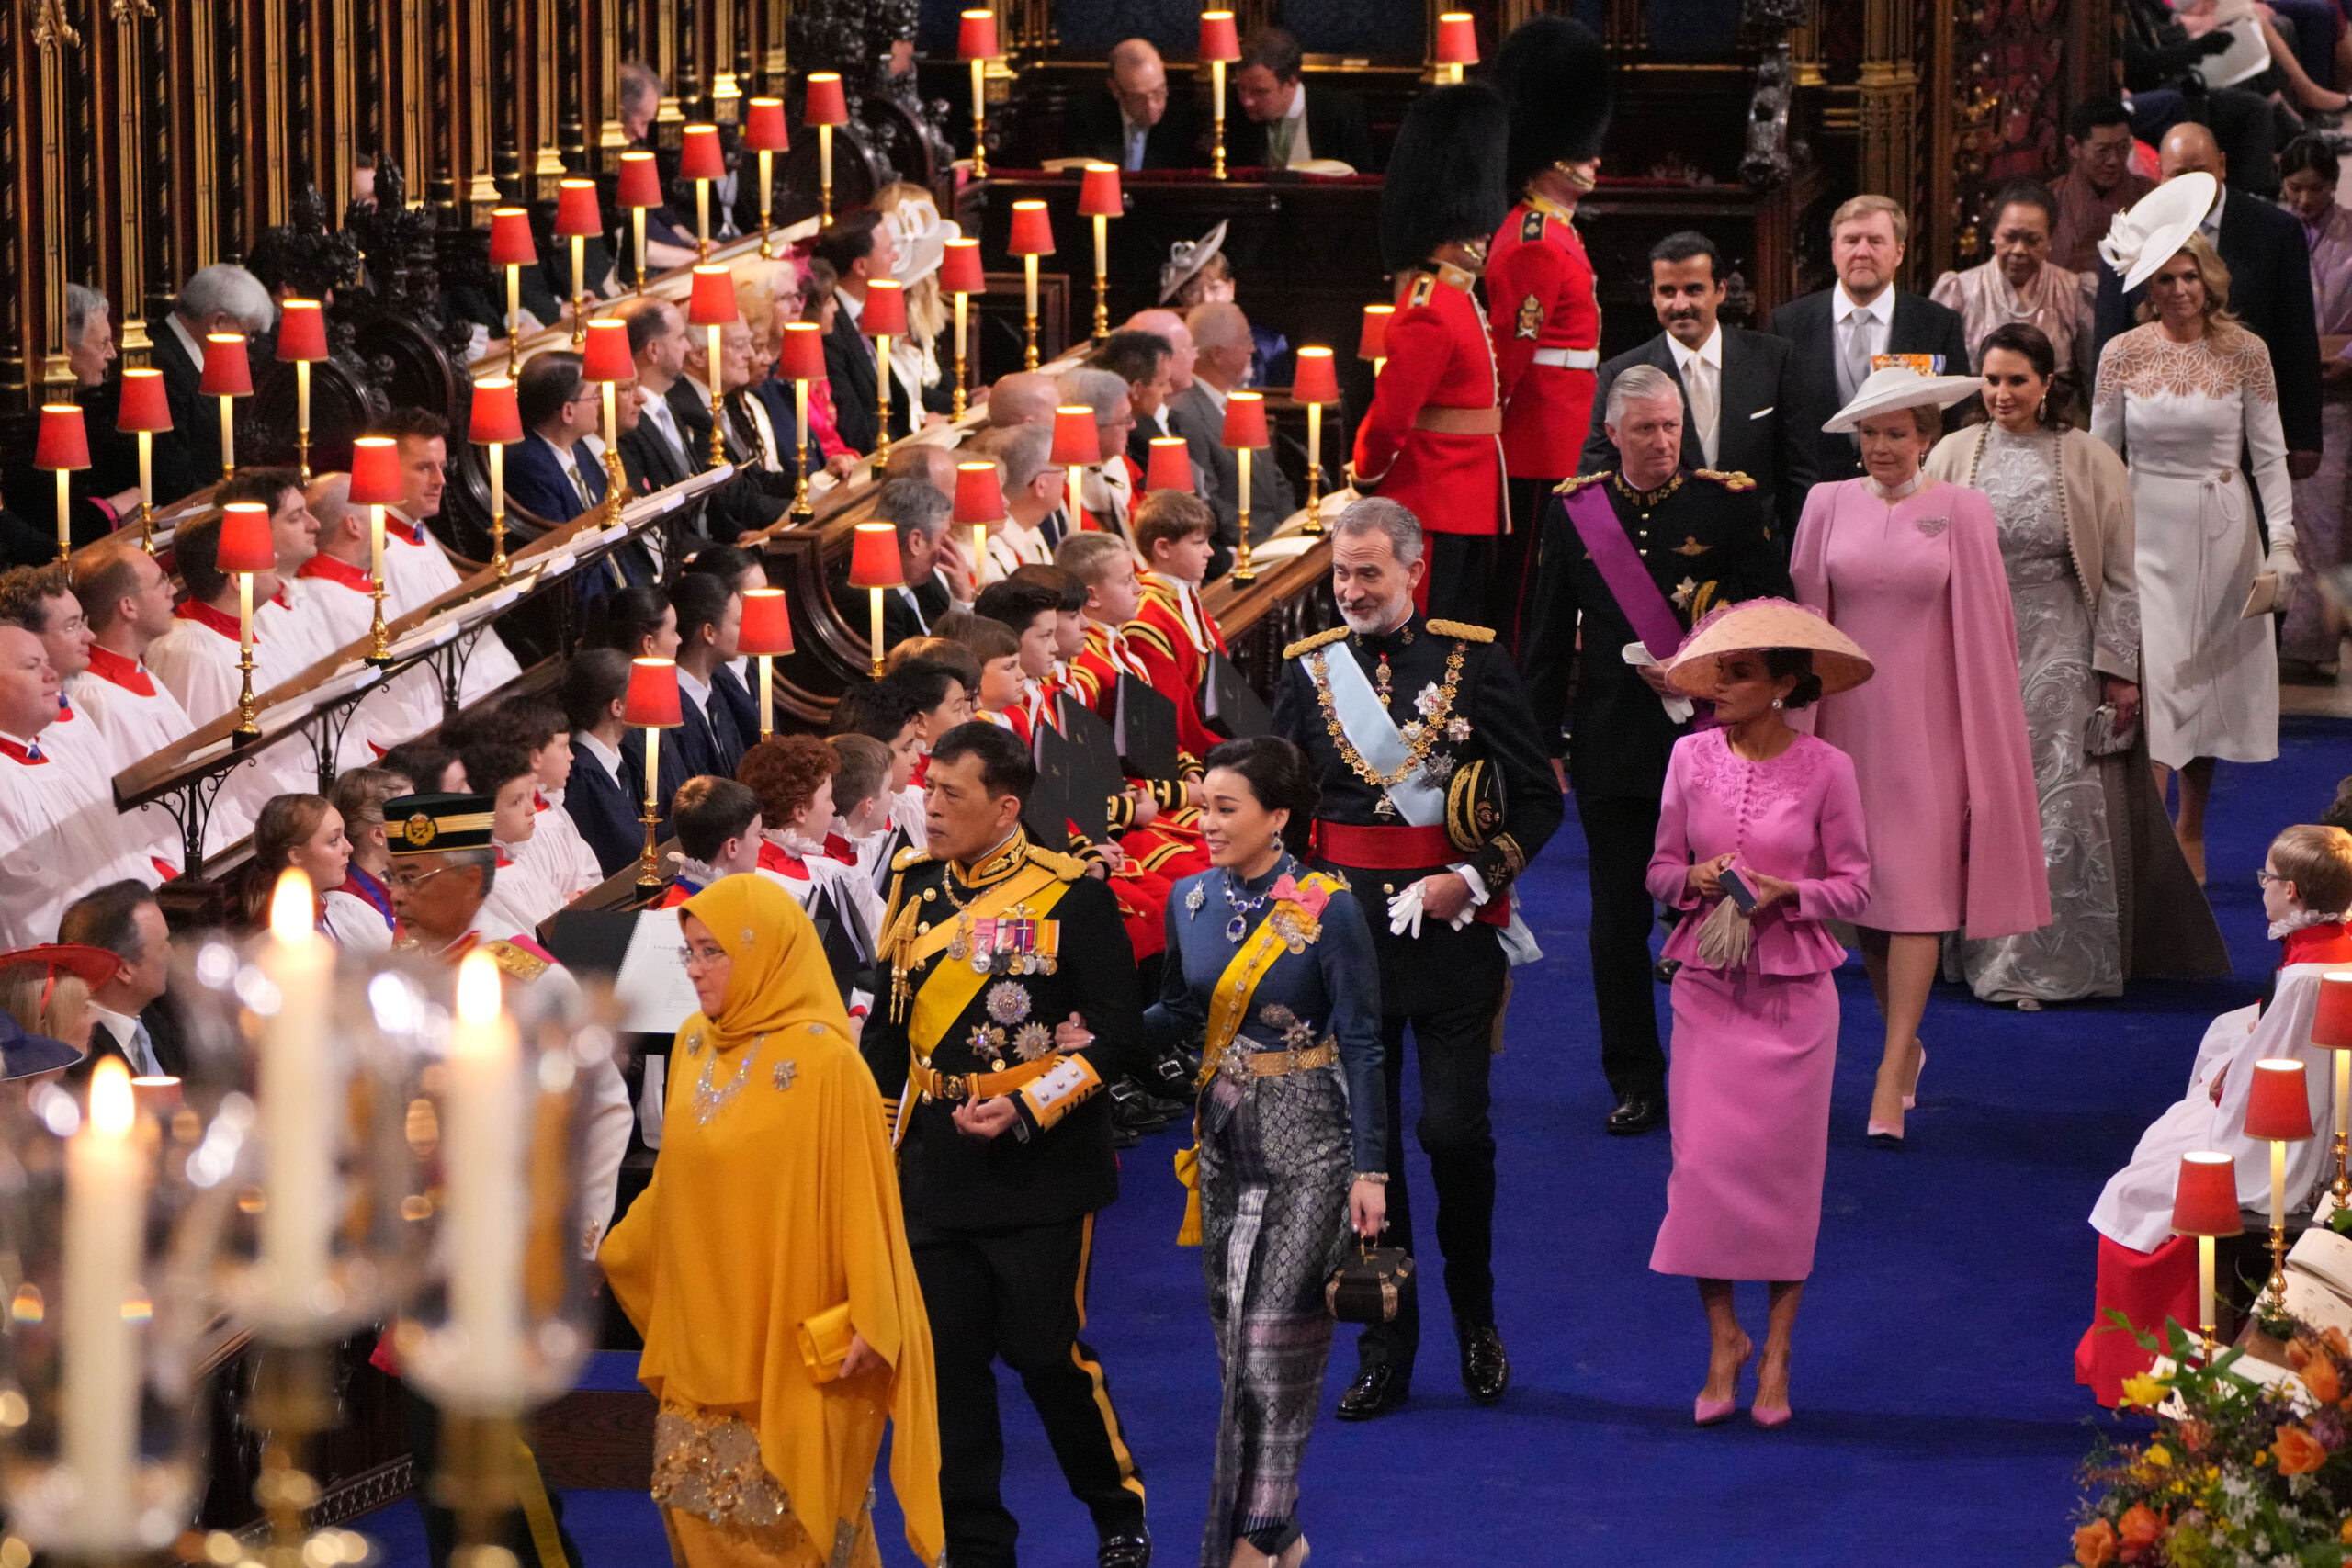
(1383, 848)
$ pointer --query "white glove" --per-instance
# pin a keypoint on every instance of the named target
(2282, 559)
(1405, 911)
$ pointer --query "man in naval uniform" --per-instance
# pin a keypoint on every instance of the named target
(443, 865)
(1005, 1153)
(1633, 557)
(1436, 793)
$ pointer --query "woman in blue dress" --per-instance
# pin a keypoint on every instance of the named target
(1272, 967)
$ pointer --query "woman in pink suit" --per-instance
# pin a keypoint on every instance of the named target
(1754, 813)
(1909, 567)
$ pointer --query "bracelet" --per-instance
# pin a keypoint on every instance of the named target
(1377, 1176)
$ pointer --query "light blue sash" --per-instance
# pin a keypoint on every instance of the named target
(1377, 740)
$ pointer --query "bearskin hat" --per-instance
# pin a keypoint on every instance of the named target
(1555, 74)
(1445, 177)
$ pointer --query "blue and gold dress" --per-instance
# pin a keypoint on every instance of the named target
(1279, 975)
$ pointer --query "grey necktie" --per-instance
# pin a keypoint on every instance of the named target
(139, 1052)
(1854, 365)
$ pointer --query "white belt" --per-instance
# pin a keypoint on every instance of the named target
(1569, 359)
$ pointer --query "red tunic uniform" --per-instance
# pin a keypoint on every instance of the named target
(1172, 637)
(1432, 438)
(1171, 846)
(1546, 322)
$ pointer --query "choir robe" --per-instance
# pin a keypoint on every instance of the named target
(122, 700)
(294, 620)
(79, 746)
(556, 844)
(359, 915)
(197, 662)
(337, 594)
(835, 872)
(520, 897)
(59, 838)
(416, 572)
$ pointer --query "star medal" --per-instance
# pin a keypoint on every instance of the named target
(1430, 700)
(1194, 899)
(1033, 1042)
(1008, 1003)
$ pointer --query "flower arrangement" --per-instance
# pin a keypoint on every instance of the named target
(2239, 1470)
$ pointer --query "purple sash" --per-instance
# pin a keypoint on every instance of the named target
(1630, 583)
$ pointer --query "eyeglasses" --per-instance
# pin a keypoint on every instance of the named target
(2266, 876)
(693, 956)
(409, 881)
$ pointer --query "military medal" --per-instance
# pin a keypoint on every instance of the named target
(959, 946)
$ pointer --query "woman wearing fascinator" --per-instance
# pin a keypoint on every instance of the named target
(1909, 567)
(2179, 396)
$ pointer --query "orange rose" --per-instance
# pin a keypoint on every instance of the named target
(2140, 1528)
(2334, 1340)
(2299, 1452)
(2320, 1376)
(2095, 1544)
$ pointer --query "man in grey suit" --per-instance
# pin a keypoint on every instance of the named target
(1731, 381)
(1221, 363)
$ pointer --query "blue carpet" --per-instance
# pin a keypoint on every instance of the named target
(1938, 1420)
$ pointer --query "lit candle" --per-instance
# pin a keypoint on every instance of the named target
(302, 394)
(299, 1092)
(486, 1197)
(497, 479)
(245, 616)
(105, 1207)
(376, 546)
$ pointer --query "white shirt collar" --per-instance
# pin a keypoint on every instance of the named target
(563, 455)
(1297, 109)
(1710, 353)
(695, 687)
(852, 306)
(607, 758)
(1214, 396)
(1880, 310)
(188, 340)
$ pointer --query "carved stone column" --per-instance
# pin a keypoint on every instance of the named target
(1889, 94)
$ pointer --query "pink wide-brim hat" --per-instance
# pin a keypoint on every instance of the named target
(1757, 623)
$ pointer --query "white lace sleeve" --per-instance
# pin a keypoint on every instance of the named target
(2266, 440)
(2106, 402)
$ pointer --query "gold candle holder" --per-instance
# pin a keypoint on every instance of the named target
(480, 1483)
(65, 510)
(767, 199)
(649, 863)
(228, 438)
(980, 120)
(293, 1401)
(302, 416)
(767, 695)
(1314, 524)
(1216, 108)
(825, 173)
(882, 398)
(1029, 278)
(498, 509)
(147, 491)
(515, 318)
(718, 409)
(803, 509)
(579, 294)
(380, 642)
(1243, 570)
(963, 320)
(636, 225)
(248, 715)
(1102, 277)
(2276, 1286)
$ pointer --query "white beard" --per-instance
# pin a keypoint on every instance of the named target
(1384, 619)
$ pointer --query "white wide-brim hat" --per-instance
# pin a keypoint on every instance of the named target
(1757, 624)
(2150, 232)
(923, 239)
(1186, 257)
(1900, 387)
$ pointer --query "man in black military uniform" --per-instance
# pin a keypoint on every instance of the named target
(1005, 1142)
(1436, 792)
(1676, 543)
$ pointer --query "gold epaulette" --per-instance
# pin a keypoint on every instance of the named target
(909, 858)
(1069, 868)
(1731, 479)
(1309, 644)
(1462, 629)
(519, 962)
(1570, 486)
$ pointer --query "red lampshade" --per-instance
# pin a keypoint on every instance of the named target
(1033, 230)
(576, 212)
(1374, 343)
(641, 181)
(874, 560)
(886, 310)
(959, 270)
(712, 302)
(699, 157)
(2277, 1106)
(1245, 421)
(979, 497)
(767, 623)
(2331, 1026)
(64, 440)
(509, 238)
(606, 357)
(245, 538)
(1316, 381)
(302, 331)
(497, 417)
(2205, 1201)
(827, 104)
(976, 37)
(1457, 38)
(375, 471)
(802, 358)
(1219, 38)
(1170, 466)
(1098, 194)
(765, 129)
(144, 404)
(653, 699)
(227, 372)
(1077, 440)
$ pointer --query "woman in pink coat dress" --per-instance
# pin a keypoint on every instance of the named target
(1753, 809)
(1909, 567)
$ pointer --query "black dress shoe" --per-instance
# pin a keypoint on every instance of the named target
(1125, 1549)
(1379, 1388)
(1665, 970)
(1637, 1112)
(1486, 1370)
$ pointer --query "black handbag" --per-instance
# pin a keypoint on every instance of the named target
(1372, 1286)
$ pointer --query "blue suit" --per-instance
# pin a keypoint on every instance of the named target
(537, 482)
(604, 811)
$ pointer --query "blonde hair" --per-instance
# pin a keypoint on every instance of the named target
(45, 1000)
(1863, 206)
(926, 309)
(2318, 861)
(2212, 272)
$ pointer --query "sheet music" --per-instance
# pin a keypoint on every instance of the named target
(654, 993)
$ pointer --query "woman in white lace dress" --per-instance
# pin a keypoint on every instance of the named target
(2177, 397)
(2063, 504)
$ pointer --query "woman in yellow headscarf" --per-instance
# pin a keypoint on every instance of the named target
(766, 1264)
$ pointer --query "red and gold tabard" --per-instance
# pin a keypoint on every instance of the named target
(1546, 321)
(1432, 440)
(1172, 637)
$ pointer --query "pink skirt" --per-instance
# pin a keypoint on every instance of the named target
(1748, 1083)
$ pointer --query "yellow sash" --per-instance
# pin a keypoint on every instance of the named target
(1229, 1008)
(941, 999)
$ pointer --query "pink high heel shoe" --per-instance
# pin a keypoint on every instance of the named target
(1770, 1416)
(1706, 1412)
(1911, 1100)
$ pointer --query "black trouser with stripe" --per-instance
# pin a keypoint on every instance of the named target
(1018, 1296)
